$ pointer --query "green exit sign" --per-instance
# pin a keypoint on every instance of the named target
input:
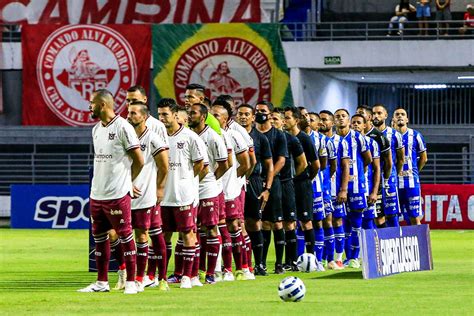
(332, 60)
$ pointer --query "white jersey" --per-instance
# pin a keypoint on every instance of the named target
(151, 145)
(232, 183)
(159, 128)
(112, 165)
(180, 188)
(209, 187)
(234, 126)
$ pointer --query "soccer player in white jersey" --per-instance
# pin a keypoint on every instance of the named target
(391, 206)
(186, 161)
(151, 181)
(372, 174)
(360, 157)
(117, 162)
(415, 159)
(233, 125)
(210, 187)
(233, 184)
(334, 211)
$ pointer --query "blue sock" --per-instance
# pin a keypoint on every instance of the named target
(356, 224)
(319, 243)
(339, 237)
(329, 243)
(347, 237)
(368, 223)
(325, 255)
(406, 218)
(392, 221)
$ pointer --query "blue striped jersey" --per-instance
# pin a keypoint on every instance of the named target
(369, 175)
(396, 142)
(320, 149)
(357, 145)
(333, 148)
(342, 152)
(414, 145)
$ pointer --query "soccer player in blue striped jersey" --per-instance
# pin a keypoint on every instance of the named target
(372, 175)
(335, 212)
(390, 207)
(415, 159)
(360, 157)
(318, 207)
(326, 145)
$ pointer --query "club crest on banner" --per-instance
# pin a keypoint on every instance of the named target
(75, 60)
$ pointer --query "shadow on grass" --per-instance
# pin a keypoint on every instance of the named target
(343, 275)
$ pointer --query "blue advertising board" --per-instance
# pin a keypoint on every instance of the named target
(395, 250)
(50, 206)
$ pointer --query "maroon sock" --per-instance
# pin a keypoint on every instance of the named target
(130, 256)
(152, 262)
(102, 256)
(161, 252)
(226, 247)
(188, 259)
(116, 252)
(248, 246)
(178, 258)
(202, 258)
(236, 249)
(243, 252)
(197, 256)
(142, 258)
(212, 247)
(169, 251)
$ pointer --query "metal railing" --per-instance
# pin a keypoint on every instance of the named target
(332, 31)
(43, 168)
(74, 169)
(371, 30)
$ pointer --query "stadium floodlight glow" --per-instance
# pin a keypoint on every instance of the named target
(430, 86)
(465, 77)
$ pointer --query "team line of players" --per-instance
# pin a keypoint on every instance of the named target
(226, 182)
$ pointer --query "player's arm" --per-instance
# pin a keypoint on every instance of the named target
(387, 163)
(244, 163)
(366, 157)
(253, 161)
(323, 162)
(203, 172)
(400, 159)
(300, 164)
(375, 180)
(137, 161)
(222, 167)
(268, 166)
(422, 160)
(315, 166)
(161, 161)
(342, 195)
(198, 166)
(278, 165)
(332, 166)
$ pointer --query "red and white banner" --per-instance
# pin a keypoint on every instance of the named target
(131, 11)
(448, 206)
(63, 65)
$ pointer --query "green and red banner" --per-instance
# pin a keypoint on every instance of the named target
(245, 61)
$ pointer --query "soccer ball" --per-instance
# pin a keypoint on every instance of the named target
(306, 262)
(291, 289)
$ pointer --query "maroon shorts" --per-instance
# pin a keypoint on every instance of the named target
(232, 209)
(222, 213)
(241, 199)
(178, 218)
(208, 212)
(108, 214)
(156, 221)
(141, 218)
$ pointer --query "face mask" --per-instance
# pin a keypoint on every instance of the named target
(261, 118)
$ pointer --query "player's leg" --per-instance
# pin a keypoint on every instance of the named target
(415, 211)
(141, 224)
(304, 211)
(100, 227)
(117, 254)
(185, 222)
(318, 217)
(391, 203)
(169, 226)
(329, 237)
(338, 216)
(159, 249)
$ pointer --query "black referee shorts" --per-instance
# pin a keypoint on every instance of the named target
(288, 202)
(273, 211)
(304, 199)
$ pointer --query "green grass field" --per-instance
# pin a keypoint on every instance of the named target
(40, 271)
